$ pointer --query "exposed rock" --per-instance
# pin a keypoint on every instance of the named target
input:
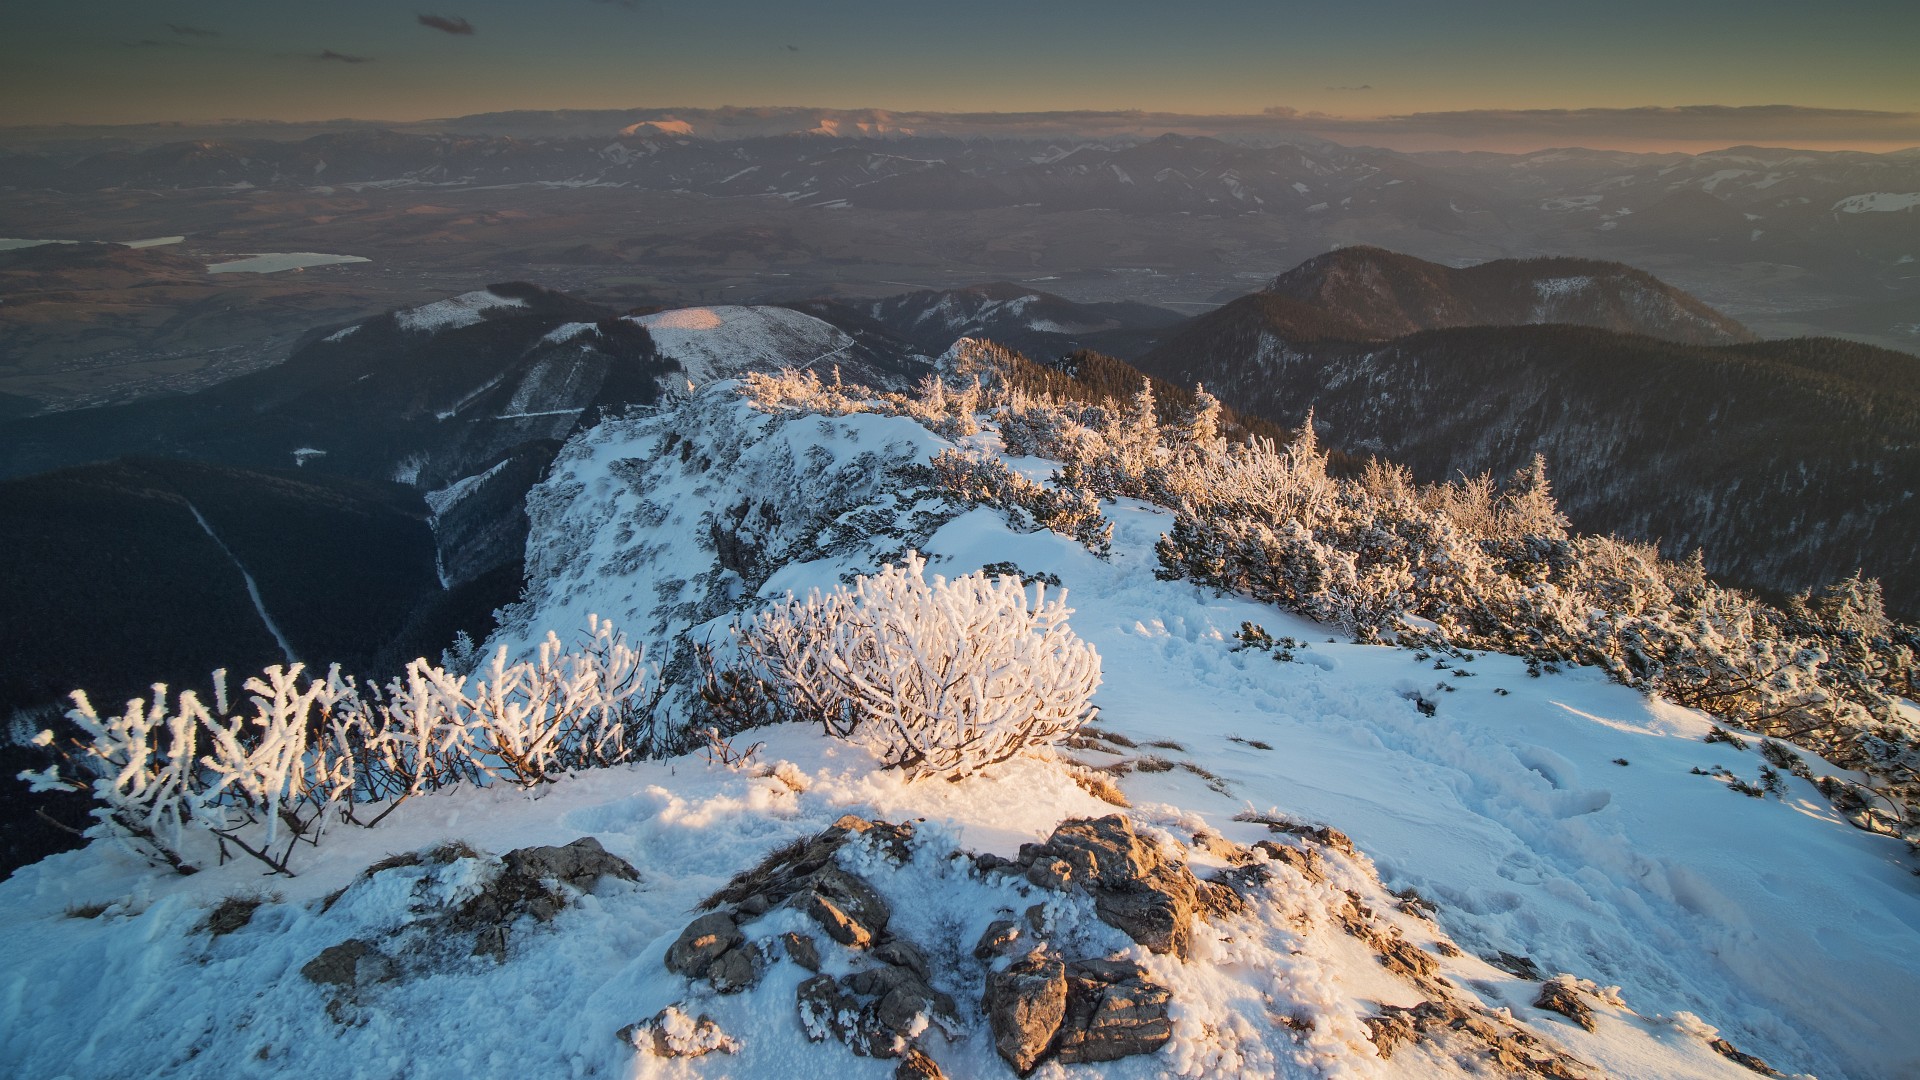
(672, 1033)
(1024, 1006)
(1305, 860)
(704, 940)
(734, 970)
(1726, 1050)
(352, 963)
(903, 953)
(826, 1008)
(1396, 953)
(916, 1065)
(791, 869)
(1218, 900)
(1114, 1010)
(1503, 1044)
(1517, 966)
(1103, 850)
(878, 1012)
(1559, 994)
(900, 999)
(846, 907)
(1000, 937)
(1322, 835)
(580, 864)
(801, 950)
(1051, 873)
(1134, 888)
(528, 876)
(987, 861)
(1156, 911)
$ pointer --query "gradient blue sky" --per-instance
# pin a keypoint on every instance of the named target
(119, 61)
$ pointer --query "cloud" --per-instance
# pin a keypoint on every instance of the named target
(344, 58)
(447, 23)
(630, 5)
(793, 48)
(1363, 86)
(192, 31)
(150, 43)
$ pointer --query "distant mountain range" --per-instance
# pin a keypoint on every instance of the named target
(1792, 462)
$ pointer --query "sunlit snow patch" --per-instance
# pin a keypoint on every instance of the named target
(1877, 202)
(454, 312)
(721, 342)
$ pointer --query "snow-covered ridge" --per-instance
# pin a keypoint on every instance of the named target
(454, 312)
(1878, 202)
(1551, 818)
(724, 341)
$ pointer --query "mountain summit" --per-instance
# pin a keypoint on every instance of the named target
(1385, 294)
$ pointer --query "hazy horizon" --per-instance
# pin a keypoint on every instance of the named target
(1505, 76)
(1691, 129)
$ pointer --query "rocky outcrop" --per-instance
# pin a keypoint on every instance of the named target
(1149, 897)
(536, 882)
(1560, 994)
(1114, 1010)
(1024, 1005)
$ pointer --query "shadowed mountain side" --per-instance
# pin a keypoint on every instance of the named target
(1384, 294)
(1791, 462)
(128, 572)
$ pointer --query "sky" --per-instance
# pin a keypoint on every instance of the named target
(1553, 73)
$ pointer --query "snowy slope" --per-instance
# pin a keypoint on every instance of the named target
(1768, 919)
(454, 312)
(724, 341)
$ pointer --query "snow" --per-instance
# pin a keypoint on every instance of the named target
(721, 342)
(1769, 921)
(253, 588)
(440, 500)
(454, 312)
(565, 332)
(275, 262)
(1877, 202)
(1710, 182)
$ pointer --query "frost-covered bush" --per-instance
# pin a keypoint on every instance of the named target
(1063, 506)
(301, 753)
(939, 678)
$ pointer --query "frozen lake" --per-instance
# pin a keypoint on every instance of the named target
(274, 262)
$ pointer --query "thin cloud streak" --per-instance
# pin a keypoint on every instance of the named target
(344, 58)
(450, 24)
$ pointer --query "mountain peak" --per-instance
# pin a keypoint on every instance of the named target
(1387, 293)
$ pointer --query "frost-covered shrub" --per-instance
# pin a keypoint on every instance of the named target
(1063, 506)
(940, 678)
(301, 752)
